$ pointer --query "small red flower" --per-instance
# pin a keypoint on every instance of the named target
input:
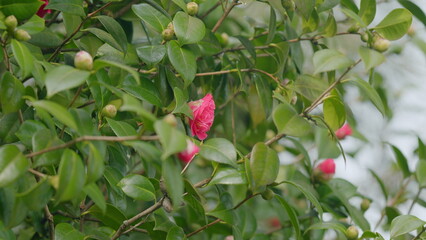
(327, 166)
(344, 131)
(188, 154)
(203, 116)
(41, 11)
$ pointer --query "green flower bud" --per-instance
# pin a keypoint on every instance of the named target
(192, 8)
(171, 119)
(268, 194)
(411, 31)
(83, 61)
(364, 37)
(380, 44)
(109, 111)
(289, 5)
(365, 204)
(351, 233)
(353, 29)
(168, 34)
(170, 26)
(11, 22)
(22, 35)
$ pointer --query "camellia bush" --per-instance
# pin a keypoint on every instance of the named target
(213, 119)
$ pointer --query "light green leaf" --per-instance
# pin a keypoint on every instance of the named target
(181, 4)
(65, 231)
(115, 29)
(181, 103)
(327, 225)
(58, 111)
(11, 92)
(264, 165)
(404, 224)
(183, 60)
(370, 93)
(74, 7)
(172, 140)
(227, 175)
(370, 57)
(100, 63)
(276, 4)
(12, 164)
(402, 161)
(137, 187)
(330, 59)
(23, 56)
(289, 122)
(420, 173)
(34, 25)
(93, 191)
(334, 111)
(151, 54)
(219, 150)
(188, 29)
(354, 16)
(106, 37)
(176, 233)
(152, 16)
(121, 128)
(63, 78)
(310, 87)
(330, 27)
(367, 11)
(291, 215)
(305, 7)
(395, 24)
(71, 176)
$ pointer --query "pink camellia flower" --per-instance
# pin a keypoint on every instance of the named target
(188, 154)
(325, 170)
(203, 111)
(41, 11)
(344, 131)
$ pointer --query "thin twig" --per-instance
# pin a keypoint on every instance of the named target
(75, 96)
(202, 228)
(225, 14)
(210, 10)
(414, 200)
(37, 173)
(49, 217)
(93, 138)
(5, 55)
(58, 49)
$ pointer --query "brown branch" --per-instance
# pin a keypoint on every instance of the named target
(90, 15)
(37, 173)
(210, 10)
(75, 96)
(86, 104)
(93, 138)
(225, 14)
(202, 228)
(126, 8)
(49, 217)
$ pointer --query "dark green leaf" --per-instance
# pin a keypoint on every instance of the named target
(38, 195)
(183, 60)
(265, 93)
(65, 231)
(188, 29)
(137, 187)
(11, 93)
(23, 56)
(106, 37)
(173, 181)
(21, 9)
(27, 130)
(115, 29)
(74, 7)
(93, 191)
(176, 233)
(121, 128)
(181, 103)
(145, 92)
(309, 195)
(112, 217)
(151, 54)
(219, 150)
(71, 176)
(100, 63)
(152, 16)
(414, 9)
(264, 165)
(12, 164)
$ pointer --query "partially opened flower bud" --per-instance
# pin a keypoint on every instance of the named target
(325, 170)
(344, 131)
(83, 61)
(380, 44)
(192, 8)
(41, 11)
(22, 35)
(109, 111)
(11, 22)
(188, 154)
(168, 34)
(352, 233)
(365, 204)
(203, 116)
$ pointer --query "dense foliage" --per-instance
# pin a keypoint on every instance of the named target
(213, 119)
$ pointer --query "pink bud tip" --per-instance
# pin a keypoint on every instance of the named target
(344, 131)
(327, 166)
(188, 154)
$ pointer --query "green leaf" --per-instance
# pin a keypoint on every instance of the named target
(219, 150)
(112, 217)
(367, 11)
(145, 92)
(370, 57)
(132, 104)
(289, 122)
(172, 140)
(34, 25)
(151, 54)
(264, 165)
(74, 7)
(329, 59)
(100, 63)
(183, 60)
(414, 9)
(326, 226)
(265, 93)
(291, 215)
(305, 7)
(309, 195)
(404, 224)
(421, 150)
(176, 233)
(334, 111)
(121, 128)
(228, 176)
(370, 93)
(11, 92)
(38, 195)
(63, 78)
(152, 16)
(420, 173)
(93, 191)
(381, 184)
(58, 111)
(354, 16)
(95, 164)
(181, 4)
(23, 56)
(173, 181)
(181, 103)
(276, 4)
(27, 130)
(310, 87)
(71, 176)
(330, 27)
(137, 187)
(402, 161)
(13, 164)
(395, 24)
(21, 9)
(65, 231)
(106, 37)
(188, 29)
(115, 29)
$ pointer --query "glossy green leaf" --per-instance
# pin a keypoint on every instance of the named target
(172, 140)
(63, 78)
(173, 181)
(176, 233)
(367, 11)
(370, 93)
(404, 224)
(291, 215)
(115, 29)
(305, 7)
(74, 7)
(219, 150)
(354, 16)
(334, 111)
(326, 226)
(329, 59)
(181, 103)
(152, 16)
(420, 176)
(23, 56)
(145, 92)
(58, 111)
(132, 104)
(21, 9)
(151, 54)
(27, 130)
(264, 165)
(112, 217)
(402, 161)
(228, 176)
(181, 4)
(183, 60)
(188, 29)
(11, 92)
(370, 57)
(100, 63)
(95, 164)
(34, 25)
(414, 9)
(121, 128)
(330, 27)
(289, 122)
(310, 87)
(65, 231)
(309, 195)
(71, 176)
(95, 193)
(395, 24)
(38, 195)
(137, 187)
(265, 93)
(13, 164)
(106, 37)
